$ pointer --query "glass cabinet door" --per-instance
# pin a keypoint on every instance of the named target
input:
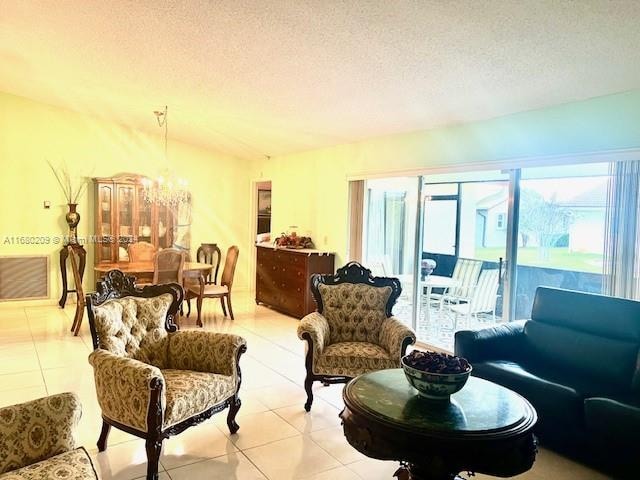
(164, 227)
(144, 229)
(125, 220)
(105, 206)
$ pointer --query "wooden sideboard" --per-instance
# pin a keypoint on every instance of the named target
(282, 278)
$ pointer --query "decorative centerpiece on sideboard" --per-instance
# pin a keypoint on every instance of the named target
(292, 240)
(282, 277)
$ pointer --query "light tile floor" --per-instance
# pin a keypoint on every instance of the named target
(277, 439)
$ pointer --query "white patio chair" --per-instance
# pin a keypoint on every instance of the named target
(466, 273)
(483, 298)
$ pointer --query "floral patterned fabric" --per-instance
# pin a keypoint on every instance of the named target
(73, 465)
(123, 387)
(37, 430)
(353, 358)
(392, 335)
(190, 393)
(204, 351)
(317, 326)
(134, 327)
(195, 370)
(354, 311)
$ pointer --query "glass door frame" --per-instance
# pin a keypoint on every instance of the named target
(511, 248)
(511, 255)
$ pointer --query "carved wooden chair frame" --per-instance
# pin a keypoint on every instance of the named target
(116, 284)
(352, 272)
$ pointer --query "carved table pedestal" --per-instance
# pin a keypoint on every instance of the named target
(484, 428)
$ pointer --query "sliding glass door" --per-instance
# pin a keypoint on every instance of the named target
(464, 225)
(471, 248)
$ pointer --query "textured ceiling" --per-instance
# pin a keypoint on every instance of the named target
(252, 77)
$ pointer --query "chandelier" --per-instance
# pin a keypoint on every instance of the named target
(166, 189)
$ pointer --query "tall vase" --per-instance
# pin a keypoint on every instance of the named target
(73, 218)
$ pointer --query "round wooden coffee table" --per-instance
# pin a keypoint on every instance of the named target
(484, 428)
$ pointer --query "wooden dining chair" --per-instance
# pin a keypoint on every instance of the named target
(141, 252)
(80, 301)
(208, 253)
(222, 291)
(168, 266)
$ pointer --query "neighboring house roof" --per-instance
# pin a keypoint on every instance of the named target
(595, 197)
(493, 200)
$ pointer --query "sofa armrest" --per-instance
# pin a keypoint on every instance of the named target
(502, 342)
(395, 337)
(128, 390)
(209, 352)
(34, 431)
(315, 327)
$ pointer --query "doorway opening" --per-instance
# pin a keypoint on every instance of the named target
(263, 212)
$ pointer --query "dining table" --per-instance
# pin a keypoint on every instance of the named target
(143, 271)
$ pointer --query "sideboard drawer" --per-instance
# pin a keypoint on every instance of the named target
(282, 278)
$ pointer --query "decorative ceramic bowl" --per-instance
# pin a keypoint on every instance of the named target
(435, 386)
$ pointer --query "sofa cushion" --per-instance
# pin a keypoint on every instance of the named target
(553, 401)
(609, 361)
(353, 358)
(616, 418)
(71, 465)
(600, 315)
(189, 393)
(354, 311)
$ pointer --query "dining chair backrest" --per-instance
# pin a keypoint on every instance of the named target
(466, 273)
(230, 266)
(141, 252)
(168, 265)
(210, 253)
(485, 293)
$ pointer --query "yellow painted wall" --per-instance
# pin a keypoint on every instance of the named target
(310, 189)
(32, 133)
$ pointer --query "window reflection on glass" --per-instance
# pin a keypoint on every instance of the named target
(389, 236)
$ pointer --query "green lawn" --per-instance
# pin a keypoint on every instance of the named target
(560, 258)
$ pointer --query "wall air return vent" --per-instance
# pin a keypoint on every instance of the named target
(24, 277)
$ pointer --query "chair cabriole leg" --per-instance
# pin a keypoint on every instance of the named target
(229, 304)
(224, 308)
(234, 407)
(308, 384)
(153, 447)
(104, 435)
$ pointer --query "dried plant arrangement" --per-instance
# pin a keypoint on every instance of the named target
(71, 189)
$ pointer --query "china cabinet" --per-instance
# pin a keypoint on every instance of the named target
(123, 216)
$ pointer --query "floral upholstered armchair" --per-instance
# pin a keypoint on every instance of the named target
(151, 380)
(37, 440)
(353, 331)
